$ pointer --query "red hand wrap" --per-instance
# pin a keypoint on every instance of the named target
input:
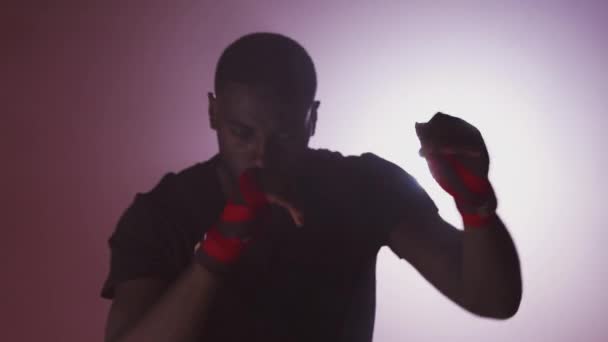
(236, 213)
(480, 186)
(226, 250)
(223, 249)
(476, 220)
(252, 194)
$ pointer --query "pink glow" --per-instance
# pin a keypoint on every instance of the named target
(104, 99)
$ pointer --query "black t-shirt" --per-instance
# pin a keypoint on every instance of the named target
(310, 283)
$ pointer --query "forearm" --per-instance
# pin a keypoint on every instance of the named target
(179, 313)
(491, 275)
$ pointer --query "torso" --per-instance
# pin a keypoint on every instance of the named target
(309, 283)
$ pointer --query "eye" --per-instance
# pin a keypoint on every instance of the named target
(285, 136)
(241, 132)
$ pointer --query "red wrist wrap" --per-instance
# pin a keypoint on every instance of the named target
(236, 213)
(224, 249)
(479, 186)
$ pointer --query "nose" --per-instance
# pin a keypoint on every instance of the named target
(259, 163)
(260, 152)
(266, 152)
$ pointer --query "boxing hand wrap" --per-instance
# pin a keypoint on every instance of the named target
(224, 242)
(478, 206)
(219, 244)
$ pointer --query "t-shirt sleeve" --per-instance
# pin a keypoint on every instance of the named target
(391, 195)
(140, 243)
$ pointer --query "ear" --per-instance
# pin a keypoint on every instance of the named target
(312, 125)
(212, 110)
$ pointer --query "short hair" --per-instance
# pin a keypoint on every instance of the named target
(271, 60)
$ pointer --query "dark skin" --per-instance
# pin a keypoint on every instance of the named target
(256, 129)
(477, 268)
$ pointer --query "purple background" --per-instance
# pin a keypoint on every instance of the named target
(100, 100)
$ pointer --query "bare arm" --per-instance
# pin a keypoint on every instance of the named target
(144, 311)
(148, 310)
(477, 268)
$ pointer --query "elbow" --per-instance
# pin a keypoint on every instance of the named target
(503, 309)
(511, 301)
(500, 305)
(504, 312)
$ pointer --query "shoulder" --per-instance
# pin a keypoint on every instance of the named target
(363, 177)
(372, 191)
(326, 158)
(371, 179)
(176, 199)
(191, 184)
(364, 165)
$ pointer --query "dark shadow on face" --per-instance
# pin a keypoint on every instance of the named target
(257, 128)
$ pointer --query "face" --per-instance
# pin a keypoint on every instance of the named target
(256, 128)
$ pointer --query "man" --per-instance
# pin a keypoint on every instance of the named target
(270, 240)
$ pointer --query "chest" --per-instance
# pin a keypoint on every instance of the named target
(303, 280)
(300, 282)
